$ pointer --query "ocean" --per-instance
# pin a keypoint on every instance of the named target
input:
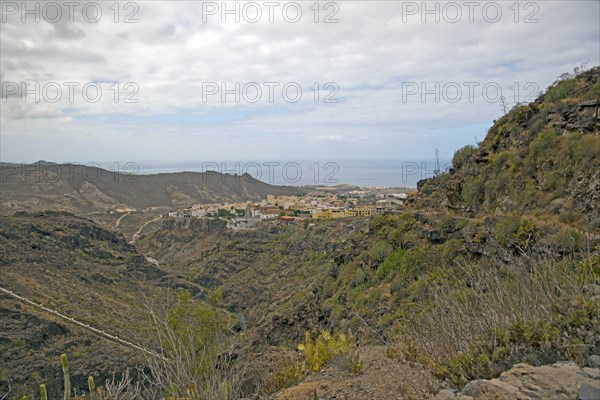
(363, 173)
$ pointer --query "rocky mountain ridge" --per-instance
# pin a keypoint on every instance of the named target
(541, 157)
(85, 188)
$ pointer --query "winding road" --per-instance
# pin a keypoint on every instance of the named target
(136, 235)
(120, 218)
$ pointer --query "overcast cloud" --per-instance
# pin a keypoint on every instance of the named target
(375, 58)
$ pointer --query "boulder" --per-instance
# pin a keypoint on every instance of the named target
(588, 392)
(562, 380)
(593, 361)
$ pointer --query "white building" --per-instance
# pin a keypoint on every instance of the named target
(198, 212)
(388, 204)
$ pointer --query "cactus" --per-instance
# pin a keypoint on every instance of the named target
(65, 368)
(92, 387)
(43, 395)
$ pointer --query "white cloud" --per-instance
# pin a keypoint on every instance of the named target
(370, 54)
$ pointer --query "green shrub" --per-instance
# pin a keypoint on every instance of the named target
(359, 277)
(571, 241)
(580, 150)
(283, 378)
(505, 228)
(526, 234)
(320, 350)
(487, 360)
(493, 188)
(473, 191)
(463, 156)
(544, 145)
(392, 262)
(521, 114)
(561, 90)
(215, 296)
(554, 182)
(379, 251)
(448, 224)
(465, 367)
(538, 124)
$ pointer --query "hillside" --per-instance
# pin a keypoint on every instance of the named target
(541, 158)
(84, 189)
(71, 265)
(495, 262)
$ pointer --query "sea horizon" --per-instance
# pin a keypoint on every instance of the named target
(390, 173)
(362, 173)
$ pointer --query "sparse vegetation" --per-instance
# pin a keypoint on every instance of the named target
(320, 350)
(196, 363)
(463, 157)
(493, 264)
(485, 319)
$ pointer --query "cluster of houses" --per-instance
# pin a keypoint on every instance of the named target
(287, 209)
(381, 206)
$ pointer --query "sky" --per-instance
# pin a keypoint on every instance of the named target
(306, 80)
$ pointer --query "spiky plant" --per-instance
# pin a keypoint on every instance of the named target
(65, 367)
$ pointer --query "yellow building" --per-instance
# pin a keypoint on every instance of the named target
(356, 212)
(364, 211)
(322, 214)
(338, 214)
(360, 212)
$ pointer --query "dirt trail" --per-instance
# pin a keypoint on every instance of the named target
(136, 235)
(120, 218)
(83, 325)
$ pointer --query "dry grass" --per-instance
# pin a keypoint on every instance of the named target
(483, 317)
(195, 366)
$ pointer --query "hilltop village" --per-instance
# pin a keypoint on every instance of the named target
(313, 205)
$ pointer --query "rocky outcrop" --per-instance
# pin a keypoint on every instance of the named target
(582, 117)
(562, 380)
(539, 157)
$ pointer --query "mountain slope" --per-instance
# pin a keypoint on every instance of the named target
(70, 265)
(79, 188)
(543, 157)
(494, 263)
